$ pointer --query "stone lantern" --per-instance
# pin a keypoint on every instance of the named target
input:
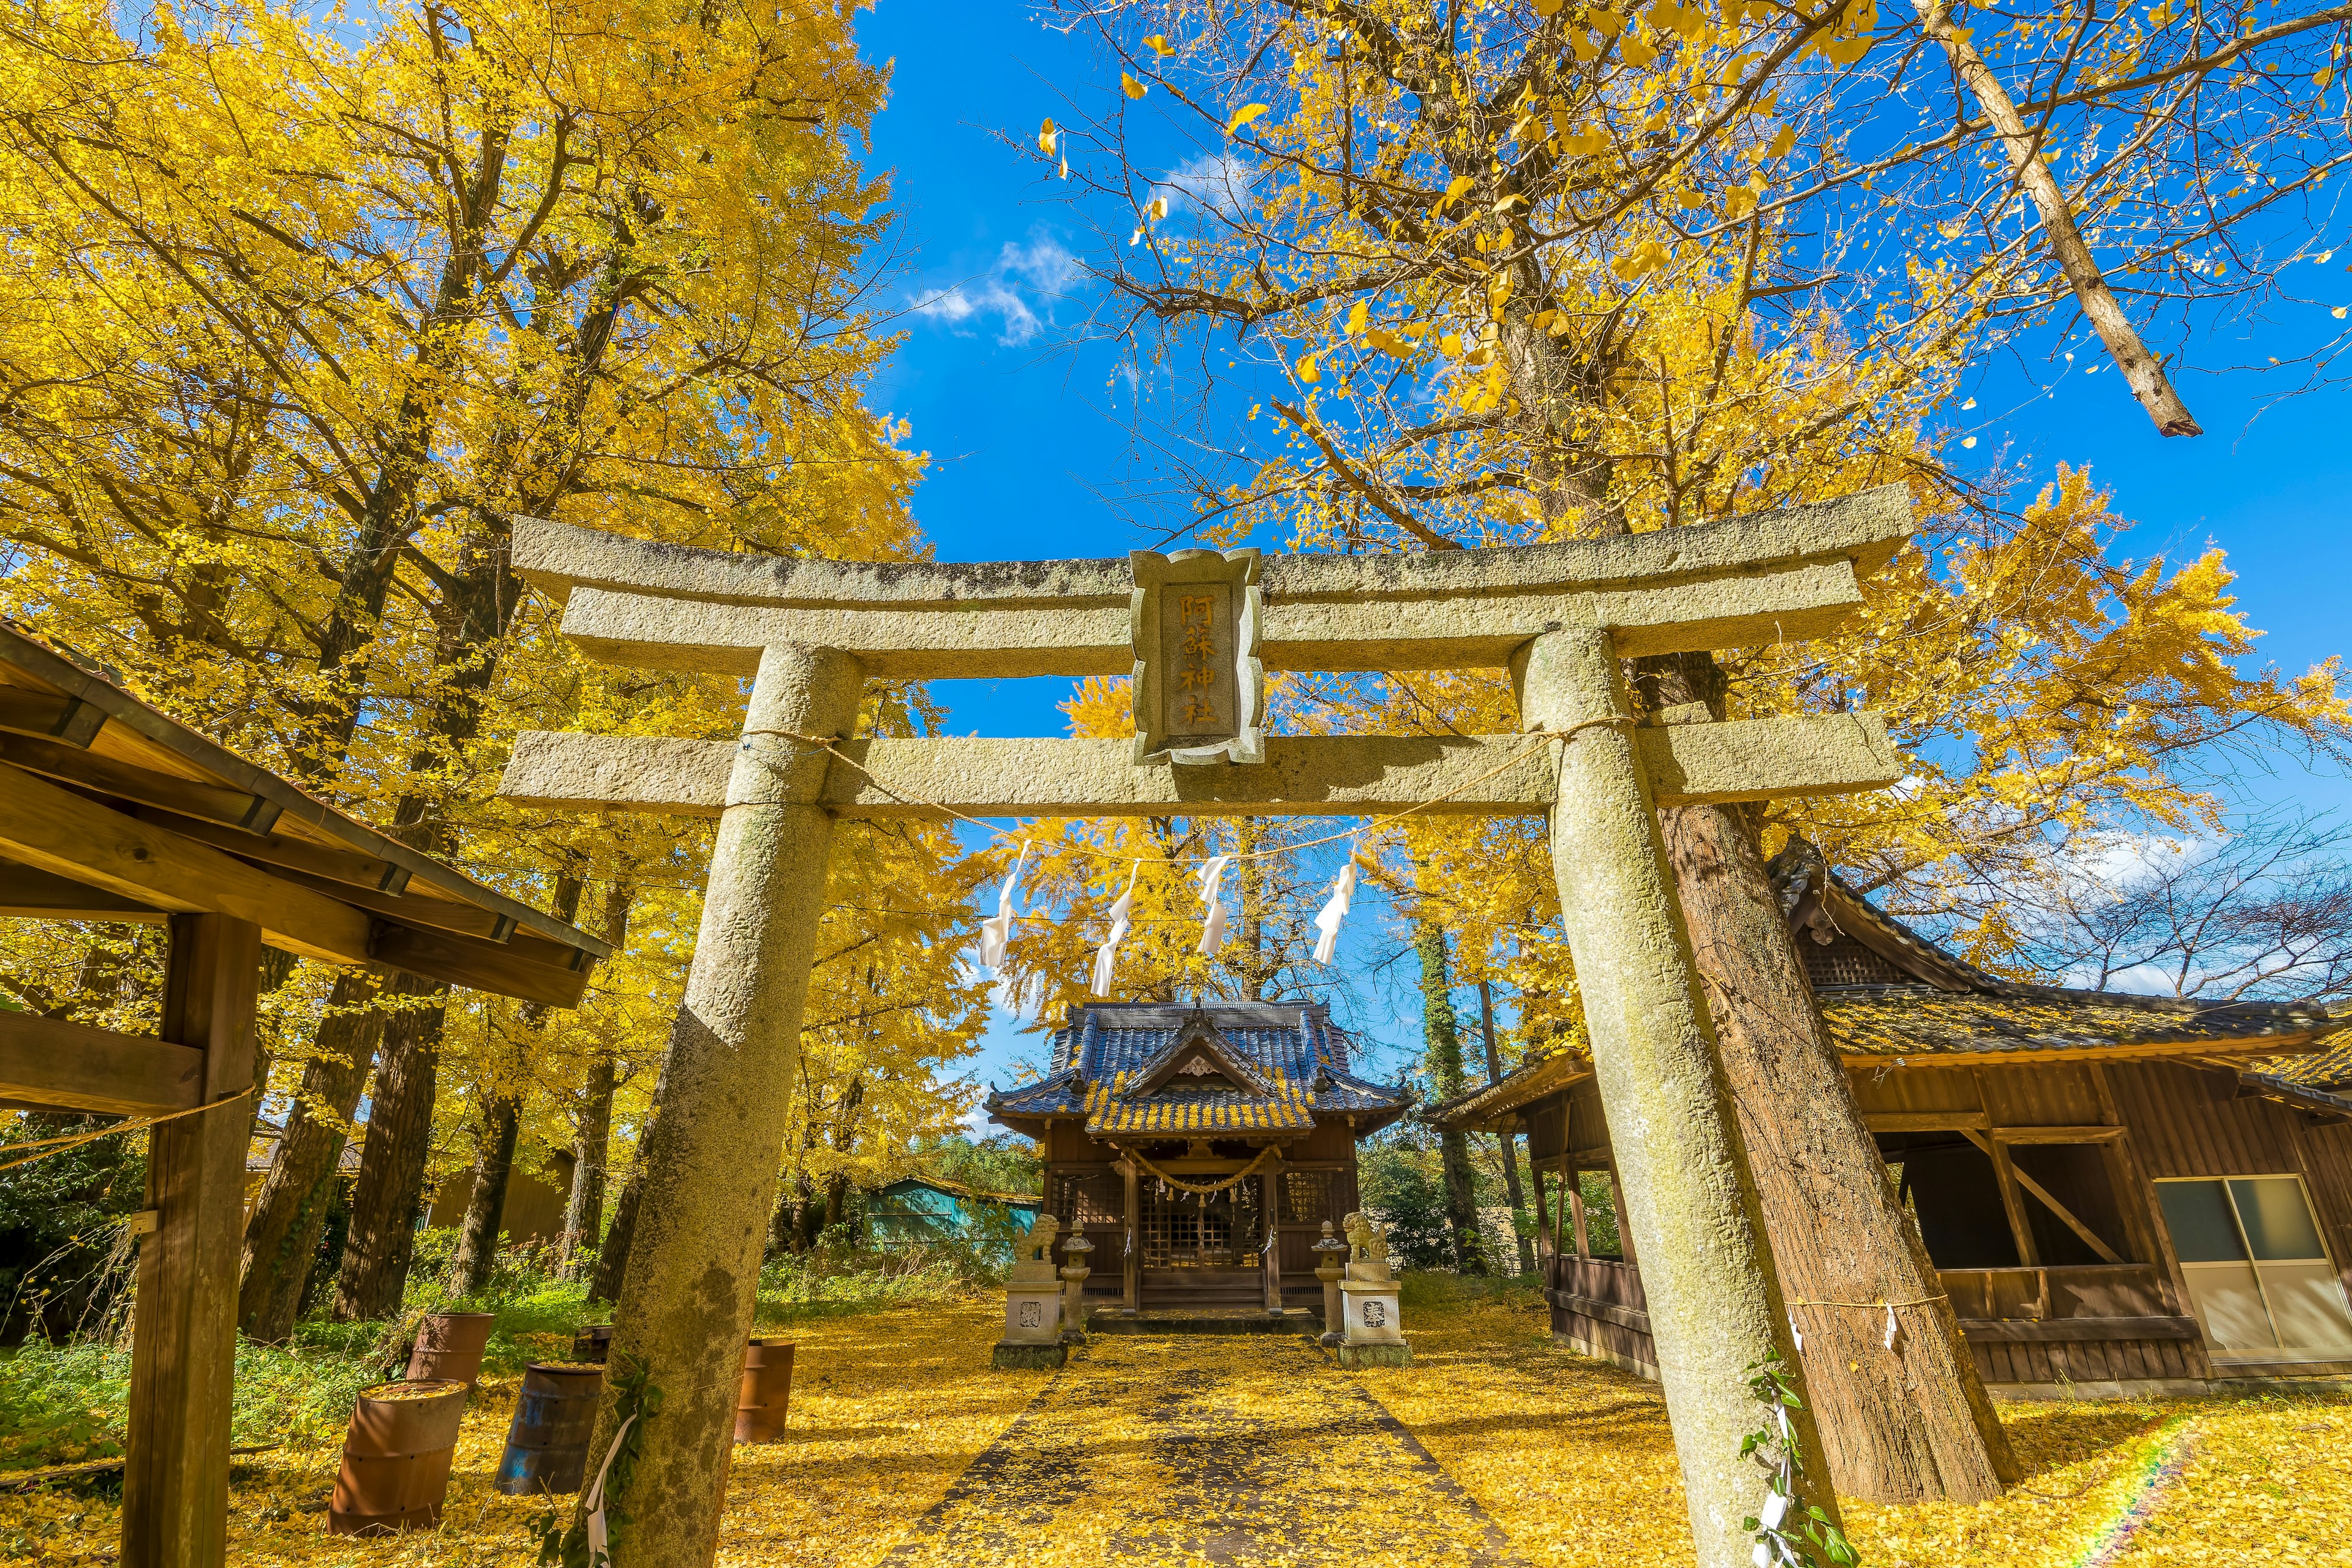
(1032, 1302)
(1073, 1289)
(1374, 1335)
(1329, 1270)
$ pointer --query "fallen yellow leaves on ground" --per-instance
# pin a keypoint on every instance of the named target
(905, 1444)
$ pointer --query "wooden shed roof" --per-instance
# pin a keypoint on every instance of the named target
(1934, 1007)
(111, 809)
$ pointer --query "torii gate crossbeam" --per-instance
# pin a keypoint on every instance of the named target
(1198, 629)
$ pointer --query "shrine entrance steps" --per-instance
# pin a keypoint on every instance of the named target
(1203, 1321)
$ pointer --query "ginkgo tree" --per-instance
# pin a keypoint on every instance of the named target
(301, 309)
(1510, 272)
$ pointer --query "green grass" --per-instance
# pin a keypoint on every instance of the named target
(64, 1403)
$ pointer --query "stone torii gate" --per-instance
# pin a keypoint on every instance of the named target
(1197, 630)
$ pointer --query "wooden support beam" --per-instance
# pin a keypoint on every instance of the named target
(87, 770)
(27, 893)
(66, 719)
(345, 866)
(1999, 1150)
(510, 971)
(62, 1066)
(1925, 1120)
(414, 908)
(2056, 1134)
(183, 1352)
(54, 829)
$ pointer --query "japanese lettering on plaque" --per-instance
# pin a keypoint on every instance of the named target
(1197, 678)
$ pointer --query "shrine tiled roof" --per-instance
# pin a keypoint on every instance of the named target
(1110, 1109)
(1288, 1063)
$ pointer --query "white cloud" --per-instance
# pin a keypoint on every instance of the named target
(1018, 291)
(1218, 182)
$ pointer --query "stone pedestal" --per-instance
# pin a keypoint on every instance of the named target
(1372, 1323)
(1372, 1336)
(1033, 1303)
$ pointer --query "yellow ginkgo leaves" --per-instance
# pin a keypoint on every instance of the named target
(1159, 45)
(1048, 137)
(1309, 371)
(1640, 260)
(1243, 116)
(1129, 86)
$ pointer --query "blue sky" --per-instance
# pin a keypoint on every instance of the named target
(1030, 458)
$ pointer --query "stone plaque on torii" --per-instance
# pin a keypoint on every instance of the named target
(1198, 630)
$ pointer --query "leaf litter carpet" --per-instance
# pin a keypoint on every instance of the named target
(1171, 1452)
(1227, 1449)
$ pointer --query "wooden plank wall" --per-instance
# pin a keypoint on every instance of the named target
(2189, 1121)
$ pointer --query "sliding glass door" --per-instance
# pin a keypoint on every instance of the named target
(2260, 1279)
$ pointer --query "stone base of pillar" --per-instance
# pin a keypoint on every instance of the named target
(1012, 1357)
(1353, 1356)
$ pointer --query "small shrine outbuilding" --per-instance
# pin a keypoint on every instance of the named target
(2123, 1195)
(1201, 1150)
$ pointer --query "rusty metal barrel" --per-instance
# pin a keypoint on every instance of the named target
(547, 1446)
(397, 1457)
(450, 1345)
(767, 1390)
(592, 1344)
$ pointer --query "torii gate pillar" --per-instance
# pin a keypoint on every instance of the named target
(1691, 1205)
(710, 1157)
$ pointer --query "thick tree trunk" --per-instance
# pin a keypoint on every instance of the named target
(494, 1148)
(584, 1209)
(390, 1188)
(281, 1237)
(1907, 1425)
(1510, 1145)
(1442, 1047)
(612, 1257)
(477, 1236)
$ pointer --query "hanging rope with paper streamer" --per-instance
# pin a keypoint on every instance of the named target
(1343, 893)
(1106, 959)
(1212, 925)
(995, 932)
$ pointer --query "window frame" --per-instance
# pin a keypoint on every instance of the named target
(2253, 1264)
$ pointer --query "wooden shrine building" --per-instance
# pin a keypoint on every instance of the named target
(2122, 1194)
(111, 810)
(1259, 1100)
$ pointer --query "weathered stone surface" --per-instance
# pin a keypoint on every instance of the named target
(1303, 775)
(710, 1159)
(1863, 529)
(1691, 1210)
(994, 641)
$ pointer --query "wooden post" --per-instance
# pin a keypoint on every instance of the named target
(1576, 1210)
(1131, 1256)
(184, 1348)
(1545, 1245)
(1271, 1182)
